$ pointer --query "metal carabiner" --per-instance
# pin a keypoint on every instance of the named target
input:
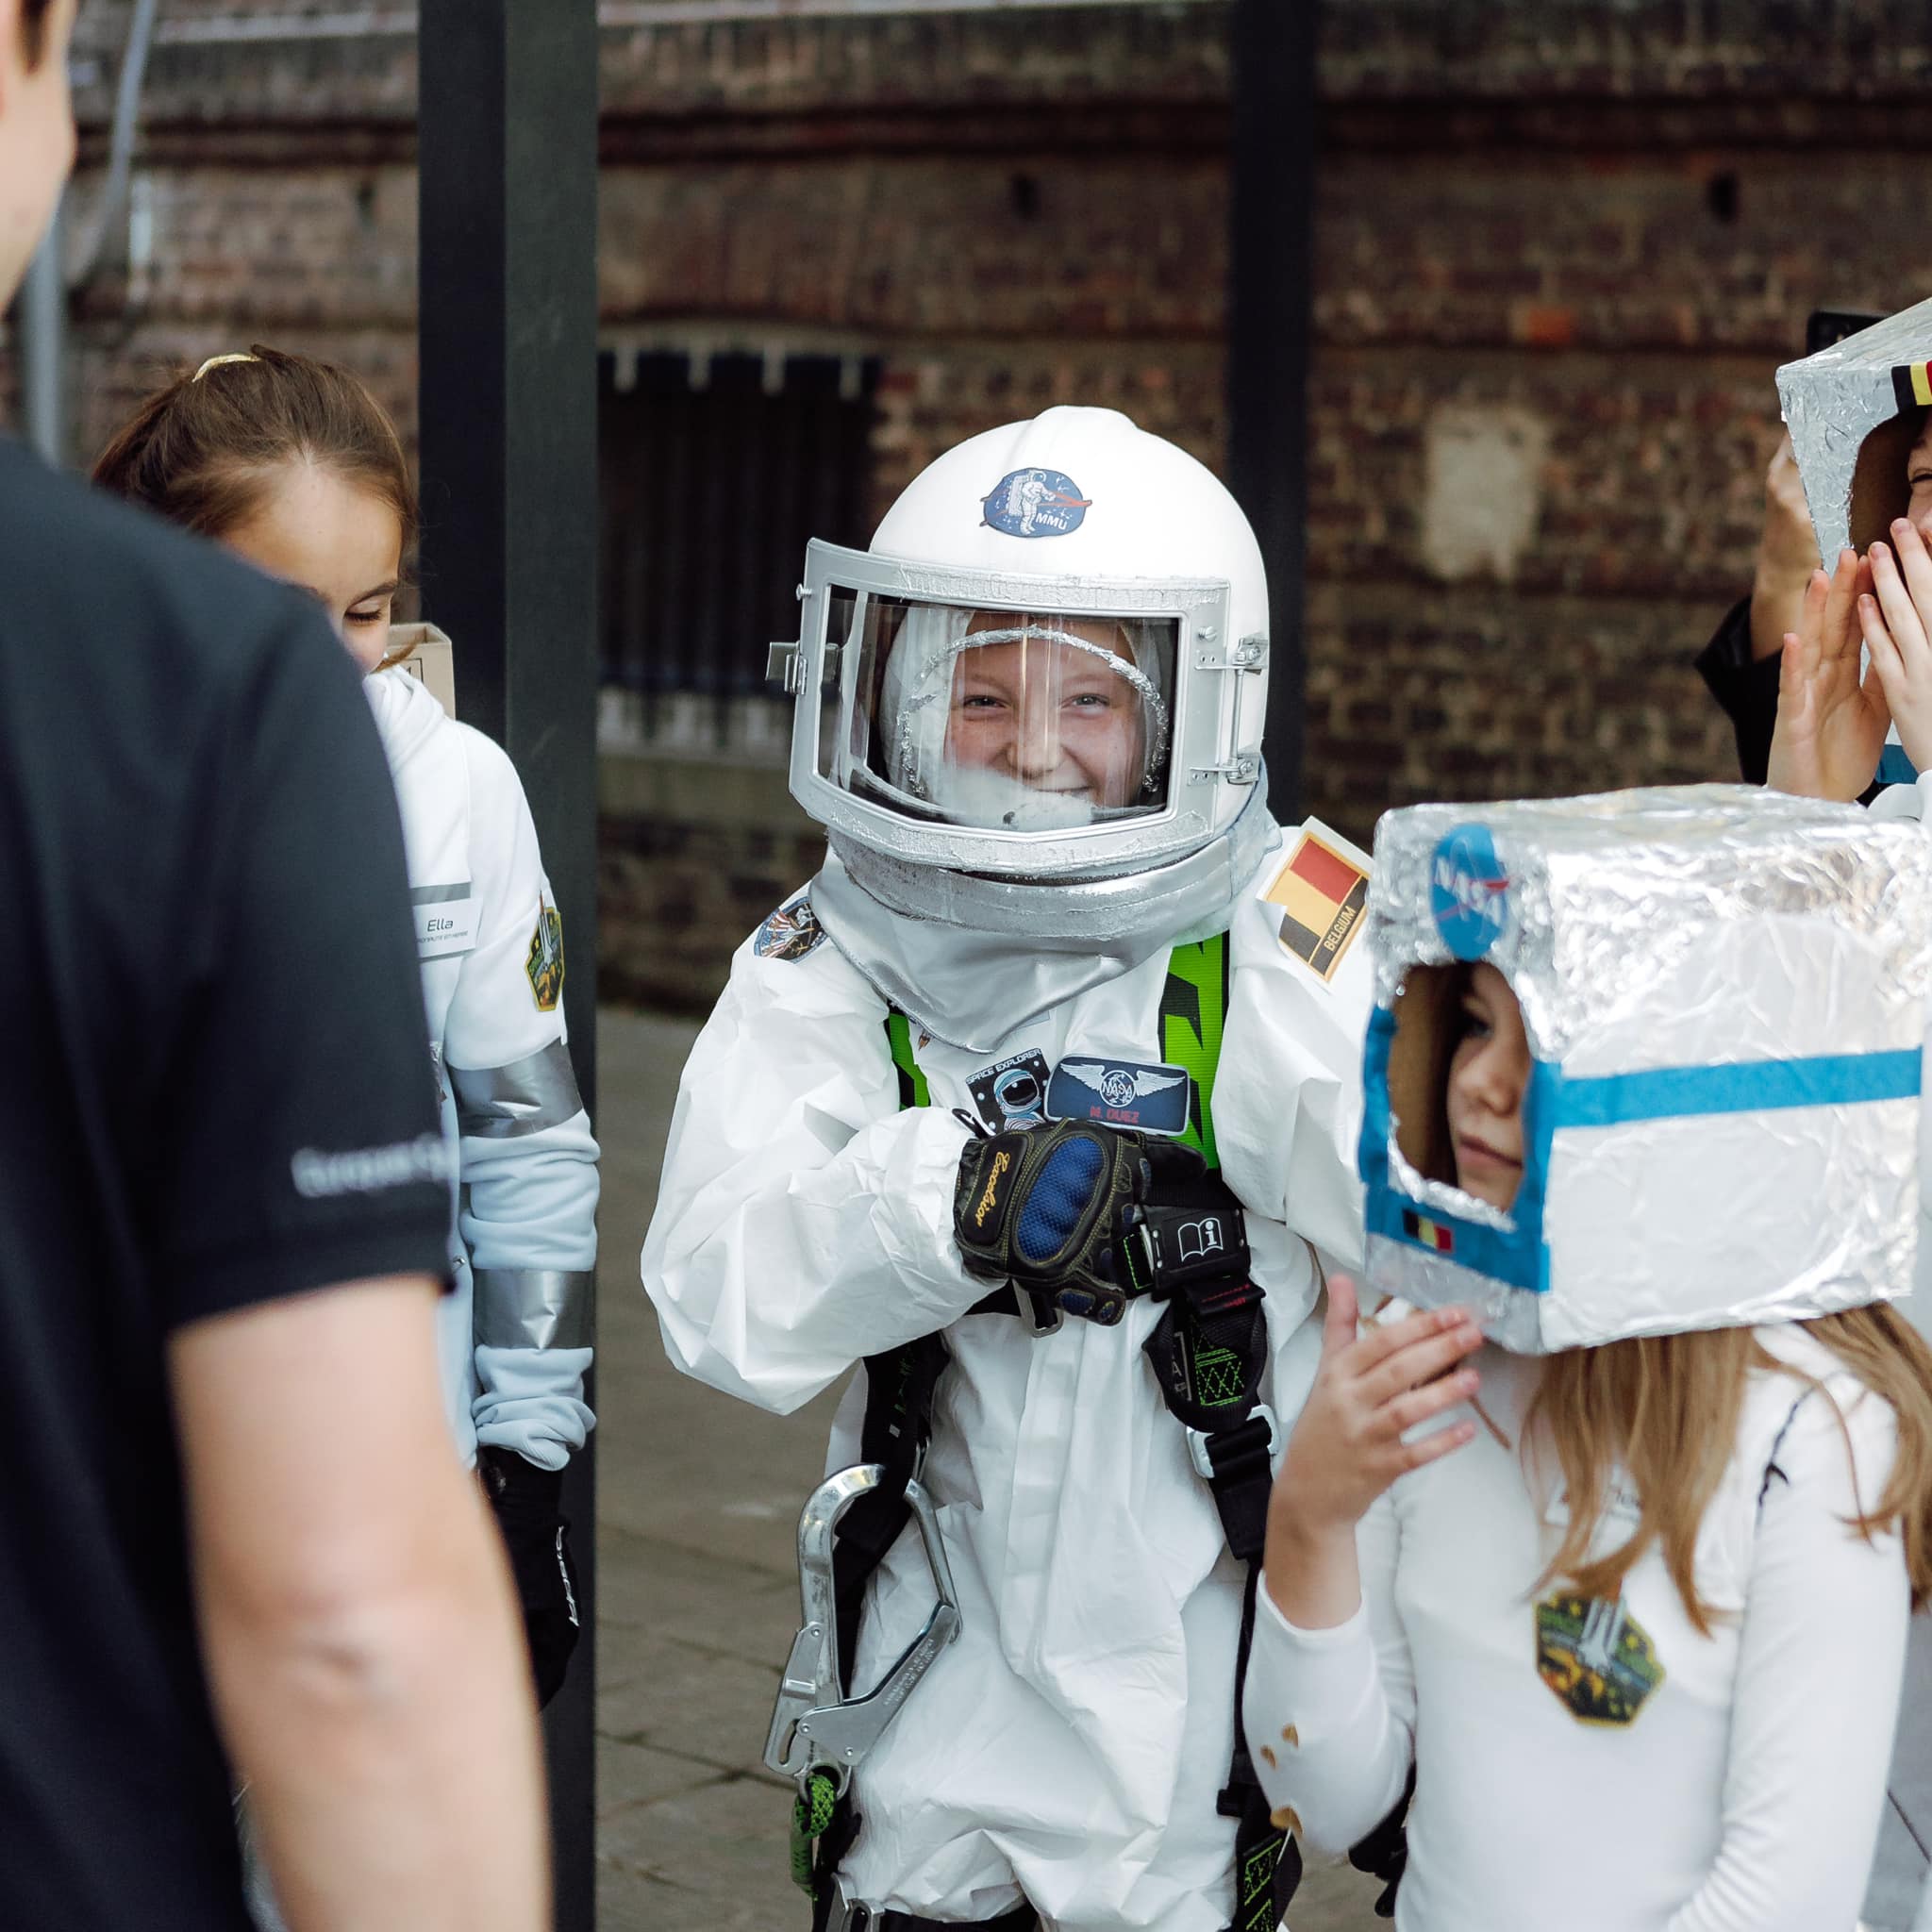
(815, 1728)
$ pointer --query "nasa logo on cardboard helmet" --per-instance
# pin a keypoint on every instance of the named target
(1036, 502)
(1468, 891)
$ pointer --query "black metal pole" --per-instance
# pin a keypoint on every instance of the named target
(507, 334)
(1271, 255)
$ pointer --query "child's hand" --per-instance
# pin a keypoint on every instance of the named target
(1895, 622)
(1831, 723)
(1347, 1445)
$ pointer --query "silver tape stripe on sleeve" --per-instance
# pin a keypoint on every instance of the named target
(529, 1094)
(532, 1308)
(438, 896)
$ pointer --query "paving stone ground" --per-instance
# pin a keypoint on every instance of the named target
(697, 1594)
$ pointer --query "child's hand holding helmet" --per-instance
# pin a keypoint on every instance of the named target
(1895, 617)
(1831, 720)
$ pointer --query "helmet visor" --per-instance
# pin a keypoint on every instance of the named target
(1000, 720)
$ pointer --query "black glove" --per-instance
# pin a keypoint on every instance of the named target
(529, 1502)
(1044, 1210)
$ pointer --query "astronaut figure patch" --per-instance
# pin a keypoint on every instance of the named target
(1596, 1657)
(1012, 1093)
(543, 962)
(1120, 1094)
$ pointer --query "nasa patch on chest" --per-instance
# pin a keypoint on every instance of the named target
(445, 920)
(1152, 1099)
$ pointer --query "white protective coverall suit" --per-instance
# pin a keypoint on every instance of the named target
(514, 1332)
(1068, 1747)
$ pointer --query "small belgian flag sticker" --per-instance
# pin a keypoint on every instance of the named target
(1323, 895)
(1431, 1234)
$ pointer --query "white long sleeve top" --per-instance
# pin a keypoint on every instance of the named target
(513, 1333)
(1607, 1768)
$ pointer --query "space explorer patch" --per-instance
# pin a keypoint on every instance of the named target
(1122, 1093)
(1596, 1657)
(1012, 1093)
(790, 933)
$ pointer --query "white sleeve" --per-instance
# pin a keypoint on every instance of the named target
(1902, 801)
(1288, 1105)
(1820, 1662)
(1330, 1714)
(803, 1219)
(528, 1215)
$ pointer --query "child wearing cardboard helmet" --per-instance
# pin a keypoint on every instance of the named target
(1623, 1585)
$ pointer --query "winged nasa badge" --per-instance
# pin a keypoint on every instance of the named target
(1150, 1097)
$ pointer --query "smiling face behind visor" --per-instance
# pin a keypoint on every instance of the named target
(1010, 721)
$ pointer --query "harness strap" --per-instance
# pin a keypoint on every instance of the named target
(1021, 1919)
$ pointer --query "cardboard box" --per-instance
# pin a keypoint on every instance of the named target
(425, 652)
(1724, 992)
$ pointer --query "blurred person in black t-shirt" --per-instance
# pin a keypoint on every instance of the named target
(231, 1527)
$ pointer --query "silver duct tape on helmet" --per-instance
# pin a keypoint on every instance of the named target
(1836, 403)
(1723, 993)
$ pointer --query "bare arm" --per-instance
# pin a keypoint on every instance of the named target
(363, 1649)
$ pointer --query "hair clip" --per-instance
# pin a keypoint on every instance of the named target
(216, 361)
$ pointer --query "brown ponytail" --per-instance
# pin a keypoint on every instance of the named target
(202, 451)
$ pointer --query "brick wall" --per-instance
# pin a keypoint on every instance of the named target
(1560, 247)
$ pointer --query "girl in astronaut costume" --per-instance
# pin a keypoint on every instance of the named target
(293, 464)
(1030, 720)
(1725, 1772)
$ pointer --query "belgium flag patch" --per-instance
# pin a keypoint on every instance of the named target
(1323, 894)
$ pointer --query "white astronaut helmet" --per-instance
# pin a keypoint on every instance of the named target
(1050, 669)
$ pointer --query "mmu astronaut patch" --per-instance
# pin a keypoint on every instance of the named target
(543, 962)
(1596, 1657)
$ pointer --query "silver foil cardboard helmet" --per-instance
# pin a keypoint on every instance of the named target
(1854, 410)
(1723, 992)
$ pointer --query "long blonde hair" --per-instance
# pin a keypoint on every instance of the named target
(1666, 1407)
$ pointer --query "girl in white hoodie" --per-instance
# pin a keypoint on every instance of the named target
(295, 466)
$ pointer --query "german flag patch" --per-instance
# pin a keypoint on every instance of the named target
(1323, 894)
